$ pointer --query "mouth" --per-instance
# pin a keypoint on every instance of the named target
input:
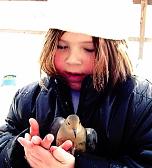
(74, 77)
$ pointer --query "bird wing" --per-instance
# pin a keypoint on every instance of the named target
(92, 139)
(57, 122)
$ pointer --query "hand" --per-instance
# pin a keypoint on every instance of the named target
(60, 154)
(39, 157)
(34, 132)
(36, 151)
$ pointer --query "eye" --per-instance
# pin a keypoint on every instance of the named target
(61, 47)
(68, 123)
(89, 50)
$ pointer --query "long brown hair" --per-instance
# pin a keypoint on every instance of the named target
(111, 61)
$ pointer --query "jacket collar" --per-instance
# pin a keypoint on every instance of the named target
(89, 96)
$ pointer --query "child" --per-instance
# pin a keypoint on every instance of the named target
(92, 77)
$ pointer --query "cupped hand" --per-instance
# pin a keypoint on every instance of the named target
(39, 157)
(62, 155)
(38, 152)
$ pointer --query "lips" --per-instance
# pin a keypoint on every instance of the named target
(74, 77)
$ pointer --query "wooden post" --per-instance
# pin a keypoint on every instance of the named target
(142, 28)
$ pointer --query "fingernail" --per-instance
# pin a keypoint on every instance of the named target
(53, 148)
(50, 137)
(18, 139)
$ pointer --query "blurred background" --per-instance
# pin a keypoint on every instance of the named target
(22, 31)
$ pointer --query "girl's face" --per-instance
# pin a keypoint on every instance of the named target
(74, 58)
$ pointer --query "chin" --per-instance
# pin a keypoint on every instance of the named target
(75, 87)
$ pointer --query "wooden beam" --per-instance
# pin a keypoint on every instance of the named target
(149, 2)
(137, 39)
(26, 0)
(142, 27)
(22, 31)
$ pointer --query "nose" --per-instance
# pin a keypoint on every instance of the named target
(73, 59)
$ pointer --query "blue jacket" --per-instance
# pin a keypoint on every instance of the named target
(122, 117)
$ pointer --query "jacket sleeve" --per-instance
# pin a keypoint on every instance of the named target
(90, 161)
(16, 125)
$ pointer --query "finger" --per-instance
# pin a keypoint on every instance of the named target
(61, 155)
(36, 140)
(66, 145)
(27, 136)
(34, 127)
(24, 142)
(47, 141)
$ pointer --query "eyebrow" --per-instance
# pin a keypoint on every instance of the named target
(86, 42)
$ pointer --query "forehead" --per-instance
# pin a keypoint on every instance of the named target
(78, 37)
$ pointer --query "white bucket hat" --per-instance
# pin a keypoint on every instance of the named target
(102, 18)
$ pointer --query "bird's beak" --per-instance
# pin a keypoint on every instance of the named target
(75, 132)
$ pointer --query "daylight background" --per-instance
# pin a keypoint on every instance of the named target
(21, 37)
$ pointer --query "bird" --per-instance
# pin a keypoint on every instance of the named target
(70, 128)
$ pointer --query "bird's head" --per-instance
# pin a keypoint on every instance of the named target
(73, 122)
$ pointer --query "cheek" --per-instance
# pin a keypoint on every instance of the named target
(89, 65)
(58, 62)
